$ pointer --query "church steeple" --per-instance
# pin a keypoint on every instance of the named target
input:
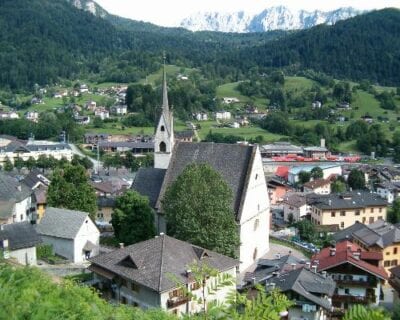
(164, 137)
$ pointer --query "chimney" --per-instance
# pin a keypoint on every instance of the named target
(161, 234)
(314, 268)
(253, 280)
(293, 266)
(332, 252)
(322, 143)
(329, 202)
(188, 273)
(278, 256)
(356, 255)
(308, 264)
(5, 244)
(19, 188)
(121, 245)
(324, 274)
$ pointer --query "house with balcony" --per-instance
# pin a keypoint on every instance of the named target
(156, 273)
(295, 207)
(318, 186)
(358, 274)
(310, 291)
(346, 209)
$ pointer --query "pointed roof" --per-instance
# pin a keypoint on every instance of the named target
(157, 262)
(165, 111)
(165, 105)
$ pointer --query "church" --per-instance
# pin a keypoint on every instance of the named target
(240, 166)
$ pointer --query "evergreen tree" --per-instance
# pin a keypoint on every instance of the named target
(356, 179)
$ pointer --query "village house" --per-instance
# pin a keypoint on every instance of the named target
(223, 115)
(8, 115)
(149, 274)
(119, 110)
(346, 208)
(388, 190)
(201, 116)
(239, 165)
(311, 292)
(102, 113)
(82, 119)
(280, 149)
(32, 116)
(380, 236)
(295, 207)
(229, 100)
(83, 88)
(277, 189)
(357, 273)
(39, 184)
(319, 186)
(91, 105)
(95, 138)
(71, 233)
(16, 201)
(316, 105)
(18, 241)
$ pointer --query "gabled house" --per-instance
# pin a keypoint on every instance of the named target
(312, 293)
(16, 201)
(295, 207)
(72, 234)
(388, 190)
(149, 274)
(358, 274)
(19, 241)
(319, 186)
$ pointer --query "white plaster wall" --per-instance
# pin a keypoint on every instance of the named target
(296, 313)
(386, 194)
(20, 209)
(255, 207)
(87, 232)
(62, 247)
(161, 159)
(297, 213)
(26, 256)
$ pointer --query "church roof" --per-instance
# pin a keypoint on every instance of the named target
(148, 183)
(232, 161)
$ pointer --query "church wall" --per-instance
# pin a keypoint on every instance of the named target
(254, 224)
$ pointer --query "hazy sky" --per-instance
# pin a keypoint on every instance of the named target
(171, 12)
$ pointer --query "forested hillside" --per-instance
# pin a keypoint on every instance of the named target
(364, 47)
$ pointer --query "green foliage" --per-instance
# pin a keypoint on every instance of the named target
(393, 215)
(374, 140)
(304, 177)
(70, 189)
(276, 123)
(44, 251)
(8, 166)
(198, 208)
(360, 312)
(133, 218)
(338, 186)
(317, 173)
(356, 179)
(37, 298)
(306, 230)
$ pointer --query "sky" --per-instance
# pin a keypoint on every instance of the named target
(171, 12)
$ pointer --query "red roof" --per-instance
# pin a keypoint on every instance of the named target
(345, 254)
(282, 171)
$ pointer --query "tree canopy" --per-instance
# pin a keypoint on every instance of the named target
(133, 218)
(70, 189)
(356, 179)
(198, 208)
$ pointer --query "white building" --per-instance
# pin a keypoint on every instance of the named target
(16, 202)
(388, 190)
(229, 100)
(13, 149)
(239, 165)
(201, 116)
(319, 186)
(119, 110)
(18, 241)
(8, 115)
(223, 115)
(102, 113)
(150, 274)
(32, 116)
(295, 207)
(72, 234)
(328, 171)
(316, 105)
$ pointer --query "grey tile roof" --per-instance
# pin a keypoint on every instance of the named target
(34, 177)
(20, 235)
(61, 223)
(312, 286)
(232, 161)
(127, 144)
(295, 199)
(12, 191)
(349, 200)
(148, 182)
(184, 134)
(380, 233)
(154, 262)
(347, 234)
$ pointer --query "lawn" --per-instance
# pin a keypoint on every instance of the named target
(297, 84)
(171, 71)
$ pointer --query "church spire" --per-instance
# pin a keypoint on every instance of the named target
(165, 105)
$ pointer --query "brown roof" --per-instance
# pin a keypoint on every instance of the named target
(316, 184)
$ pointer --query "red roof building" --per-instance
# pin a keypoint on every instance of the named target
(283, 172)
(358, 273)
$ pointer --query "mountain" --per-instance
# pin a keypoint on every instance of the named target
(274, 18)
(90, 6)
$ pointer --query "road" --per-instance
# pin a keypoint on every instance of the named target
(76, 150)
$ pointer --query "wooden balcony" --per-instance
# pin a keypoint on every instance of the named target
(176, 301)
(352, 299)
(357, 283)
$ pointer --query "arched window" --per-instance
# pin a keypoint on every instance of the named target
(163, 147)
(162, 128)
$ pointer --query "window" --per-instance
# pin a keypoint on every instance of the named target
(380, 209)
(21, 217)
(134, 287)
(364, 219)
(342, 213)
(162, 128)
(372, 210)
(256, 176)
(256, 224)
(380, 218)
(255, 254)
(357, 212)
(194, 286)
(394, 250)
(371, 219)
(176, 293)
(163, 147)
(347, 291)
(394, 262)
(386, 263)
(342, 224)
(387, 253)
(333, 214)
